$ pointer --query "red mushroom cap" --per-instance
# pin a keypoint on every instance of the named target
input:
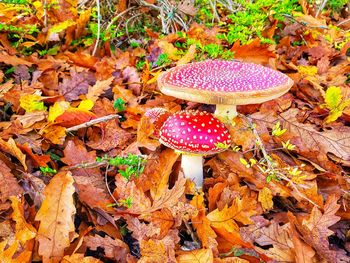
(224, 82)
(157, 116)
(195, 132)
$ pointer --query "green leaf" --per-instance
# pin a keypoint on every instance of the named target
(333, 97)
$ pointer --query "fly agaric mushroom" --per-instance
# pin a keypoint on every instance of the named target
(157, 116)
(194, 134)
(225, 84)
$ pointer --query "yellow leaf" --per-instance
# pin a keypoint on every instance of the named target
(198, 256)
(79, 258)
(59, 27)
(86, 105)
(241, 210)
(7, 254)
(56, 217)
(24, 231)
(39, 9)
(307, 70)
(54, 133)
(265, 198)
(190, 55)
(169, 49)
(31, 102)
(57, 109)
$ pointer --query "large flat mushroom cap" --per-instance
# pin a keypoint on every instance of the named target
(194, 132)
(224, 82)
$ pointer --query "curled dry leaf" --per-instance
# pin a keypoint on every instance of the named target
(113, 248)
(56, 217)
(11, 148)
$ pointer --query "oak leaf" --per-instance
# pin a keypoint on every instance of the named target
(265, 198)
(6, 255)
(202, 224)
(113, 248)
(199, 255)
(11, 148)
(153, 251)
(79, 258)
(9, 186)
(24, 231)
(253, 52)
(98, 89)
(56, 217)
(241, 210)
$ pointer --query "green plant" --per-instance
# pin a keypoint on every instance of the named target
(134, 164)
(162, 59)
(47, 170)
(119, 104)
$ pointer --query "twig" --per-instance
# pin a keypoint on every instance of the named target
(92, 122)
(98, 26)
(270, 165)
(118, 16)
(320, 8)
(344, 21)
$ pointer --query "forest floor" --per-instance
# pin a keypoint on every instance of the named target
(74, 190)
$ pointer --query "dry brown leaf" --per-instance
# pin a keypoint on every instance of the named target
(161, 172)
(164, 220)
(13, 60)
(141, 231)
(199, 255)
(98, 89)
(56, 217)
(30, 118)
(80, 258)
(253, 52)
(11, 148)
(9, 186)
(113, 248)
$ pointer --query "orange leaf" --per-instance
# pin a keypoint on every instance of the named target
(253, 52)
(198, 256)
(56, 217)
(202, 224)
(80, 258)
(73, 116)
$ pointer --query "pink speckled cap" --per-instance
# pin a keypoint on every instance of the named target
(196, 132)
(224, 82)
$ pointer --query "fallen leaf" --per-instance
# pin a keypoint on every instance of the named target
(13, 60)
(56, 217)
(6, 255)
(202, 224)
(74, 116)
(153, 251)
(113, 248)
(189, 56)
(98, 89)
(9, 186)
(79, 258)
(265, 198)
(11, 148)
(253, 52)
(199, 255)
(24, 231)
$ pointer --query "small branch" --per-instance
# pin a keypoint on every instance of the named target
(98, 27)
(270, 165)
(92, 122)
(320, 8)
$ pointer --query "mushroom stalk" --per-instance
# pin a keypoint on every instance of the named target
(192, 166)
(225, 112)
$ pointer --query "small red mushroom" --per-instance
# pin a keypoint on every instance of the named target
(194, 134)
(157, 117)
(225, 84)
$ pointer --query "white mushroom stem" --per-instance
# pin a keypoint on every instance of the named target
(192, 166)
(225, 112)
